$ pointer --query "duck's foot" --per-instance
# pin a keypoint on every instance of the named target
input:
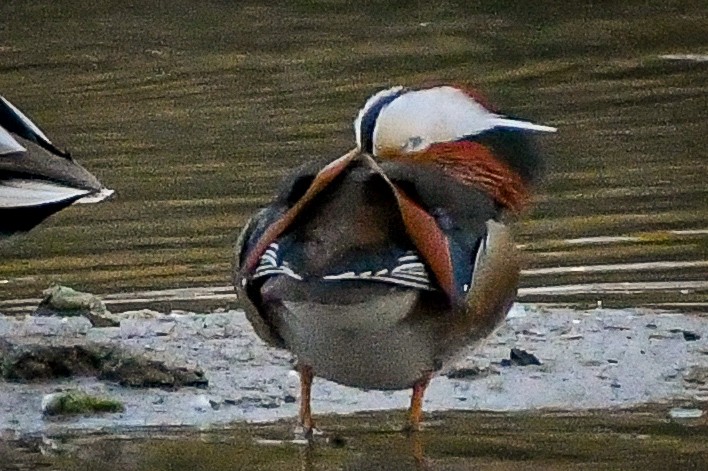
(415, 411)
(411, 429)
(307, 433)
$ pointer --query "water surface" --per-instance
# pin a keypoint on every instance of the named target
(629, 440)
(193, 112)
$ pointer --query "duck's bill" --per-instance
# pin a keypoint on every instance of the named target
(18, 193)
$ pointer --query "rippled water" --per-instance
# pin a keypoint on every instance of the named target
(193, 112)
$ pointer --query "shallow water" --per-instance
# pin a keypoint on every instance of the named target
(194, 112)
(640, 439)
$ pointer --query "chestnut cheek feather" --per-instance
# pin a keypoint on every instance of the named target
(476, 165)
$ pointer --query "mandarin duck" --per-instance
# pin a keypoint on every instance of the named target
(36, 178)
(376, 268)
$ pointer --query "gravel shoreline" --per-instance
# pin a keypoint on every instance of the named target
(589, 360)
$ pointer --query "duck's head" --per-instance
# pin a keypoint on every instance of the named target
(456, 128)
(402, 120)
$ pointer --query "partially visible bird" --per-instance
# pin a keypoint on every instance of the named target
(376, 268)
(36, 178)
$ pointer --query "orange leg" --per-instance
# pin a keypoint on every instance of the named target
(305, 416)
(415, 412)
(417, 452)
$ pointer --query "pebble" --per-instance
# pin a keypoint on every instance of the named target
(681, 413)
(201, 403)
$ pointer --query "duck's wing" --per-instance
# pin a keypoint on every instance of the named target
(264, 227)
(14, 121)
(484, 262)
(443, 218)
(299, 190)
(494, 282)
(34, 172)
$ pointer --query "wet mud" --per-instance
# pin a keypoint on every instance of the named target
(206, 370)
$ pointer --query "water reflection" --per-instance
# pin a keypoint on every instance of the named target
(601, 440)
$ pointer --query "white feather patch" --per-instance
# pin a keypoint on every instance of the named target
(96, 197)
(417, 119)
(500, 121)
(8, 144)
(367, 106)
(19, 193)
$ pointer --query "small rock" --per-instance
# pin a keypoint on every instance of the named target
(258, 401)
(67, 302)
(142, 328)
(76, 402)
(658, 337)
(690, 336)
(289, 399)
(532, 333)
(464, 373)
(681, 413)
(139, 314)
(523, 358)
(138, 372)
(616, 327)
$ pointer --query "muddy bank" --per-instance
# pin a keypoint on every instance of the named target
(589, 359)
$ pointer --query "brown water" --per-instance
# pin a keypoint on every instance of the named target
(628, 440)
(193, 112)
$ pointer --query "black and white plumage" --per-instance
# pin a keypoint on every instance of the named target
(36, 178)
(402, 269)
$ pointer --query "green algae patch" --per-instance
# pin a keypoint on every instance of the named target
(77, 402)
